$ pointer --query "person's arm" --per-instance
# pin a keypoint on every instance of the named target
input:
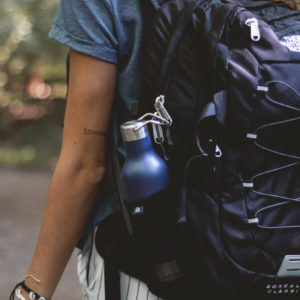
(79, 170)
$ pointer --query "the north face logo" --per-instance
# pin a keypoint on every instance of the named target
(292, 42)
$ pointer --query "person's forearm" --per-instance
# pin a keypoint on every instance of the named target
(79, 171)
(69, 201)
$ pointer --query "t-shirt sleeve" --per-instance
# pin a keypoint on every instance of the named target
(87, 26)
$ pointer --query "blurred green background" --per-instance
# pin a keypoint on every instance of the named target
(32, 84)
(32, 104)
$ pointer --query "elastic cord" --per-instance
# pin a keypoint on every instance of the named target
(286, 200)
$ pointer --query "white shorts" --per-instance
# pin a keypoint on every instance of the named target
(91, 276)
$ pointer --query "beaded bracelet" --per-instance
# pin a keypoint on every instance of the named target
(32, 294)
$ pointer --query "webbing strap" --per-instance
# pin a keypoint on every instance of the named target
(111, 272)
(111, 281)
(174, 43)
(119, 186)
(214, 30)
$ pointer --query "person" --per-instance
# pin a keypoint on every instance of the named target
(106, 40)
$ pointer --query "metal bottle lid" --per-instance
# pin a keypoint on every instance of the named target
(134, 130)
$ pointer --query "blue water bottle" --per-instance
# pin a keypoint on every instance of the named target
(144, 173)
(146, 182)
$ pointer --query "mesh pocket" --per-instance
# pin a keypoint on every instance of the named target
(166, 272)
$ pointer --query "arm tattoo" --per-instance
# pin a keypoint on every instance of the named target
(87, 131)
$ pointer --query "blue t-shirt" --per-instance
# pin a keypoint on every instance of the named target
(111, 30)
(114, 31)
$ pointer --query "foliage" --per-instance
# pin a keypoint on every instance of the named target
(32, 83)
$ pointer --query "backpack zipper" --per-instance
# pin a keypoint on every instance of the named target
(254, 29)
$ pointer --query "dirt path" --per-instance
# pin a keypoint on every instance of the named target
(22, 200)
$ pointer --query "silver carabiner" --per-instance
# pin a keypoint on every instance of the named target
(161, 110)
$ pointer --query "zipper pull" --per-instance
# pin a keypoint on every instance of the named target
(254, 29)
(158, 134)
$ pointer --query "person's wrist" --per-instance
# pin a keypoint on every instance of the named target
(30, 287)
(25, 294)
(33, 290)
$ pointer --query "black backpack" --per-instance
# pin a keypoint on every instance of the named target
(228, 74)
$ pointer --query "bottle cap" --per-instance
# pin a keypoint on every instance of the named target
(130, 133)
